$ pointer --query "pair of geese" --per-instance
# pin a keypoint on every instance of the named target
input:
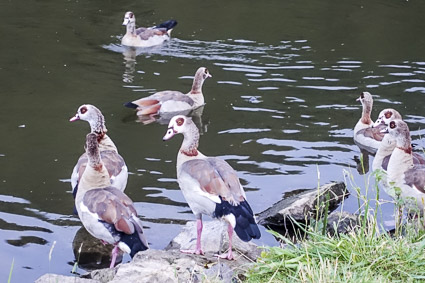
(389, 140)
(209, 184)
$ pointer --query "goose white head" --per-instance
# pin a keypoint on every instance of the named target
(129, 18)
(92, 115)
(202, 71)
(178, 125)
(365, 98)
(386, 116)
(397, 129)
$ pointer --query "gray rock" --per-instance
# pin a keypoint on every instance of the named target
(303, 206)
(49, 278)
(214, 240)
(342, 222)
(173, 266)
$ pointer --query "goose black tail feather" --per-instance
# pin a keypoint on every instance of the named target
(167, 24)
(134, 242)
(245, 228)
(130, 105)
(74, 194)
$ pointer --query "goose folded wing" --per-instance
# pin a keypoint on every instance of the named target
(373, 133)
(114, 162)
(163, 96)
(172, 95)
(148, 33)
(416, 177)
(113, 207)
(78, 170)
(216, 178)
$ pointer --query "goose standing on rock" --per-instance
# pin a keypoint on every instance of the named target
(106, 212)
(113, 162)
(170, 101)
(210, 186)
(145, 37)
(365, 136)
(401, 171)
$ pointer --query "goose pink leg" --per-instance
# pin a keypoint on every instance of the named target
(229, 255)
(198, 250)
(114, 256)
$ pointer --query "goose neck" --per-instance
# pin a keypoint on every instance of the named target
(198, 81)
(190, 142)
(131, 28)
(367, 110)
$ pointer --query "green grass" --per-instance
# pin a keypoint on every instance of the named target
(366, 254)
(11, 270)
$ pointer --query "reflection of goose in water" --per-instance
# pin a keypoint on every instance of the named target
(129, 54)
(145, 37)
(164, 119)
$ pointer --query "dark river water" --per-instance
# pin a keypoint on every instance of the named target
(280, 107)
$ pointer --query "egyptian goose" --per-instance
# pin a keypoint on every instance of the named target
(388, 143)
(145, 37)
(401, 171)
(106, 212)
(211, 187)
(169, 101)
(365, 136)
(113, 162)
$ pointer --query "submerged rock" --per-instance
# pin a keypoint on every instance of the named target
(90, 253)
(303, 206)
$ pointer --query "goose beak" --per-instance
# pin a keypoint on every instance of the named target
(358, 99)
(385, 131)
(126, 21)
(377, 123)
(169, 134)
(75, 118)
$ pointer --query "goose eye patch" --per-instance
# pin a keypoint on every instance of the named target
(179, 121)
(83, 110)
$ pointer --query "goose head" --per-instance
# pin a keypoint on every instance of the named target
(178, 125)
(203, 73)
(129, 18)
(386, 116)
(365, 98)
(181, 124)
(399, 130)
(92, 115)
